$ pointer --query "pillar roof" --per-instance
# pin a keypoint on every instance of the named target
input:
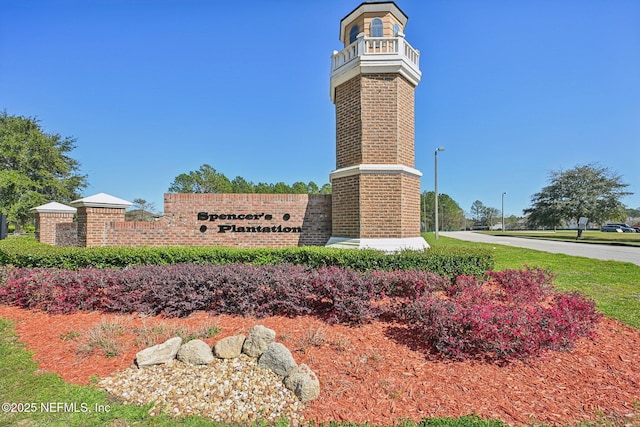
(54, 207)
(101, 200)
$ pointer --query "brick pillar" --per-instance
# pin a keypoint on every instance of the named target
(375, 187)
(47, 217)
(94, 224)
(95, 217)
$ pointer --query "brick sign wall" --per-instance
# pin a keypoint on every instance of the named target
(237, 220)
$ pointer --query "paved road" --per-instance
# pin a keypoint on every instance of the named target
(604, 252)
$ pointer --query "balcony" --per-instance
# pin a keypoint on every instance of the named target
(375, 55)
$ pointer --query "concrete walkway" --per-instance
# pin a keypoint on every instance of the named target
(588, 250)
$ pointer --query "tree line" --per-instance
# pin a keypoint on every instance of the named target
(207, 180)
(450, 214)
(452, 217)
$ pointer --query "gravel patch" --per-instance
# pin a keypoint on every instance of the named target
(227, 390)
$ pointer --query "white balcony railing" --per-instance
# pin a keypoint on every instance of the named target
(376, 48)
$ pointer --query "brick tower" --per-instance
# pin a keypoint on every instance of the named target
(375, 187)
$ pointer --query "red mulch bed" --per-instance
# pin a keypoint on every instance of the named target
(379, 373)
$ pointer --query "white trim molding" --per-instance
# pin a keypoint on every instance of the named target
(364, 169)
(384, 66)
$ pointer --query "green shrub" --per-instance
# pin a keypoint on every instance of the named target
(450, 262)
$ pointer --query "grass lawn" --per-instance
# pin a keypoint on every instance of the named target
(615, 286)
(589, 236)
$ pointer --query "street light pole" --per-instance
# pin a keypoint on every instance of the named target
(436, 187)
(424, 210)
(503, 210)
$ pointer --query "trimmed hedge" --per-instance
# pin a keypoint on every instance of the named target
(450, 262)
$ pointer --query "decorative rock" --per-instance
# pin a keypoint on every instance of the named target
(258, 340)
(303, 382)
(278, 359)
(235, 389)
(159, 354)
(195, 352)
(230, 347)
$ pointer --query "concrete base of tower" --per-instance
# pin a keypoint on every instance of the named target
(386, 245)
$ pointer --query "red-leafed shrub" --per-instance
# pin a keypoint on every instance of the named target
(56, 291)
(260, 290)
(530, 285)
(178, 290)
(513, 315)
(5, 270)
(510, 315)
(407, 283)
(570, 316)
(343, 295)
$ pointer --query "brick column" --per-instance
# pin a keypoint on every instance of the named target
(47, 217)
(95, 217)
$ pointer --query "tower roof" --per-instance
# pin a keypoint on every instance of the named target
(372, 6)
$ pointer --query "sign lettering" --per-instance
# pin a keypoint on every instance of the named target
(233, 228)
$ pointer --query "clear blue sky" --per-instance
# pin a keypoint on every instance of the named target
(153, 89)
